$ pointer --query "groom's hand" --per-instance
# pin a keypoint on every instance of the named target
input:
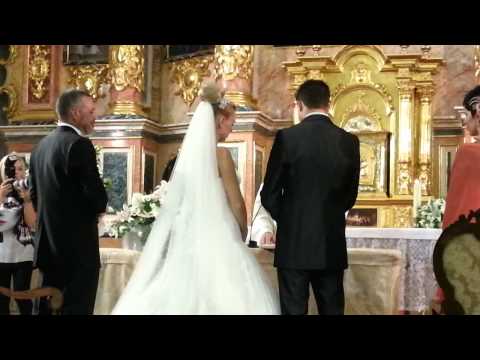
(268, 239)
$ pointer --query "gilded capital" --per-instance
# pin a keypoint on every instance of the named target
(233, 61)
(426, 93)
(405, 89)
(127, 67)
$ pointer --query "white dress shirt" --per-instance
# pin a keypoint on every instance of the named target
(316, 113)
(77, 130)
(11, 250)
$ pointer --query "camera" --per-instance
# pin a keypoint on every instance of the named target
(17, 185)
(22, 184)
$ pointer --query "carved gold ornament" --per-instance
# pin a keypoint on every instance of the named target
(402, 216)
(39, 70)
(127, 67)
(188, 76)
(233, 61)
(11, 108)
(361, 74)
(89, 78)
(12, 55)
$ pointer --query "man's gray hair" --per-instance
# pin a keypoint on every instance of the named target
(67, 101)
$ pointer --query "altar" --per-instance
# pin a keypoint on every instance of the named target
(417, 279)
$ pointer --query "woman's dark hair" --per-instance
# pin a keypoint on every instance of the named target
(471, 99)
(21, 229)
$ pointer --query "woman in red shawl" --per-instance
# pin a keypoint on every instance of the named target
(464, 190)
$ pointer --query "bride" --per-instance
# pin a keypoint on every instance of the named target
(195, 261)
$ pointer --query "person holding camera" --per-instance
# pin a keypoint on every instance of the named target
(17, 219)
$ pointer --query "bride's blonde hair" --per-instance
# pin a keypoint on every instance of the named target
(211, 93)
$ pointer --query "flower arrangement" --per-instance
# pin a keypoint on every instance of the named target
(430, 214)
(140, 214)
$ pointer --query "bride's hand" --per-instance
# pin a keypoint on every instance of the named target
(268, 239)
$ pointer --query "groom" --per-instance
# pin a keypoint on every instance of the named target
(311, 181)
(69, 195)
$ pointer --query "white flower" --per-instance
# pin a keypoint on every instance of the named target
(161, 192)
(155, 210)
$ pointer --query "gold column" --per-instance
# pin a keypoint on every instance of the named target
(404, 165)
(234, 65)
(425, 166)
(127, 74)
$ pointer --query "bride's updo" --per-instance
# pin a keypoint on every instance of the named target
(211, 93)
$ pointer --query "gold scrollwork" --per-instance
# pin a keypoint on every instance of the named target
(39, 70)
(89, 78)
(189, 74)
(404, 178)
(477, 61)
(127, 67)
(233, 61)
(10, 91)
(12, 55)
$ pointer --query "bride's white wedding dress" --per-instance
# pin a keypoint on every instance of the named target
(195, 261)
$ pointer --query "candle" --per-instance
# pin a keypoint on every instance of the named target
(417, 196)
(296, 114)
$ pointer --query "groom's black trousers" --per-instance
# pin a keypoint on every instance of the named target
(79, 285)
(327, 287)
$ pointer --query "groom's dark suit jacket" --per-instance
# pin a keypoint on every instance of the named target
(68, 194)
(311, 181)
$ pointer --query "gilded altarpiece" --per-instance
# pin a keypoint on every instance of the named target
(38, 85)
(386, 101)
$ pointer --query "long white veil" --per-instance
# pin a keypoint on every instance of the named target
(192, 209)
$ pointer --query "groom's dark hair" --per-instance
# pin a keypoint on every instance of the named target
(314, 94)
